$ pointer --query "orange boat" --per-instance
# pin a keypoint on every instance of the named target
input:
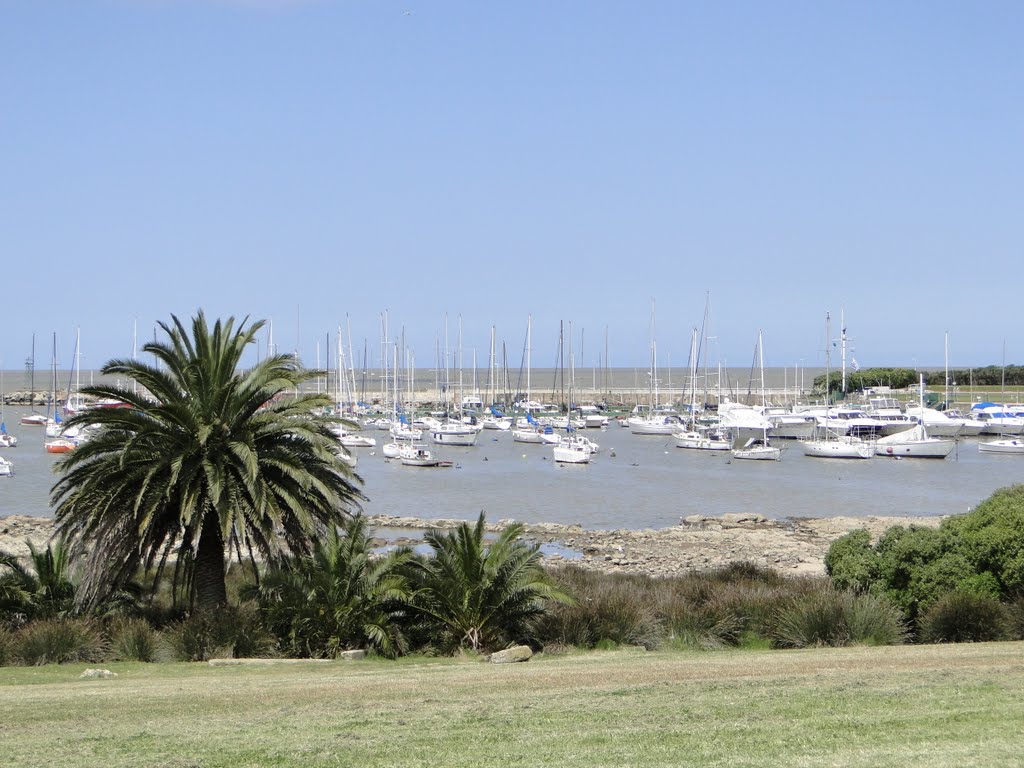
(59, 445)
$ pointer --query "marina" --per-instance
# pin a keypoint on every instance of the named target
(632, 482)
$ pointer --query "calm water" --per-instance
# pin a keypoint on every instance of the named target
(648, 483)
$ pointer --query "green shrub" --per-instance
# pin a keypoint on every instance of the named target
(6, 646)
(134, 640)
(59, 641)
(1015, 611)
(609, 610)
(981, 552)
(225, 633)
(812, 621)
(746, 572)
(852, 562)
(832, 618)
(873, 620)
(963, 617)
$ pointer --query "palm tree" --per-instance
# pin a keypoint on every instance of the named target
(41, 588)
(207, 457)
(340, 597)
(483, 595)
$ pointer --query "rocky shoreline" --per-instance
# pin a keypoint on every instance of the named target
(794, 546)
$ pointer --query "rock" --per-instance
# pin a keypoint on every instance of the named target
(97, 674)
(693, 520)
(352, 655)
(510, 655)
(743, 517)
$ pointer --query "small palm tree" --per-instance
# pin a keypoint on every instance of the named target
(482, 595)
(41, 588)
(341, 597)
(207, 459)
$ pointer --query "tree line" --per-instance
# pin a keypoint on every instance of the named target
(903, 378)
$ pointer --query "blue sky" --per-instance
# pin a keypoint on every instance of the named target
(313, 161)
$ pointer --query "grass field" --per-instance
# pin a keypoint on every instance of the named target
(932, 706)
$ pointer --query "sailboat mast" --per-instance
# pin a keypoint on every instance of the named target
(529, 331)
(842, 344)
(760, 354)
(946, 346)
(828, 359)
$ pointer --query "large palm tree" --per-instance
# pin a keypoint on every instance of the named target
(482, 594)
(208, 460)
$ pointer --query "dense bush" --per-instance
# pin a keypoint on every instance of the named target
(607, 610)
(225, 633)
(134, 640)
(963, 617)
(832, 618)
(732, 606)
(979, 553)
(59, 641)
(6, 646)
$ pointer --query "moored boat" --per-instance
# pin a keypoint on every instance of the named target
(1009, 445)
(414, 455)
(914, 443)
(60, 445)
(758, 449)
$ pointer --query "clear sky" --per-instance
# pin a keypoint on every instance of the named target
(316, 160)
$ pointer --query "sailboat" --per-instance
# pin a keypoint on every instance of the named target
(33, 419)
(693, 436)
(653, 422)
(915, 443)
(827, 444)
(6, 440)
(758, 448)
(572, 448)
(455, 431)
(57, 441)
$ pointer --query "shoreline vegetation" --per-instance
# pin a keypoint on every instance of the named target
(794, 546)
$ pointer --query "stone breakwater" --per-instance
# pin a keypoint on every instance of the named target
(795, 546)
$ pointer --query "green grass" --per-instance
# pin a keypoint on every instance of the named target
(893, 706)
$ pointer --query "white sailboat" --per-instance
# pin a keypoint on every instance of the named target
(1009, 445)
(691, 435)
(572, 448)
(827, 444)
(653, 422)
(915, 443)
(6, 440)
(758, 447)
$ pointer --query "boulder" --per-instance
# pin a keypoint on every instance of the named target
(510, 655)
(352, 655)
(97, 674)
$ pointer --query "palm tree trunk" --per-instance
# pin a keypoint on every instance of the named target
(210, 591)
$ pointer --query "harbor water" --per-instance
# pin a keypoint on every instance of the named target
(633, 482)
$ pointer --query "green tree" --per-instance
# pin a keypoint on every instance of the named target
(340, 597)
(40, 588)
(479, 594)
(980, 553)
(206, 457)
